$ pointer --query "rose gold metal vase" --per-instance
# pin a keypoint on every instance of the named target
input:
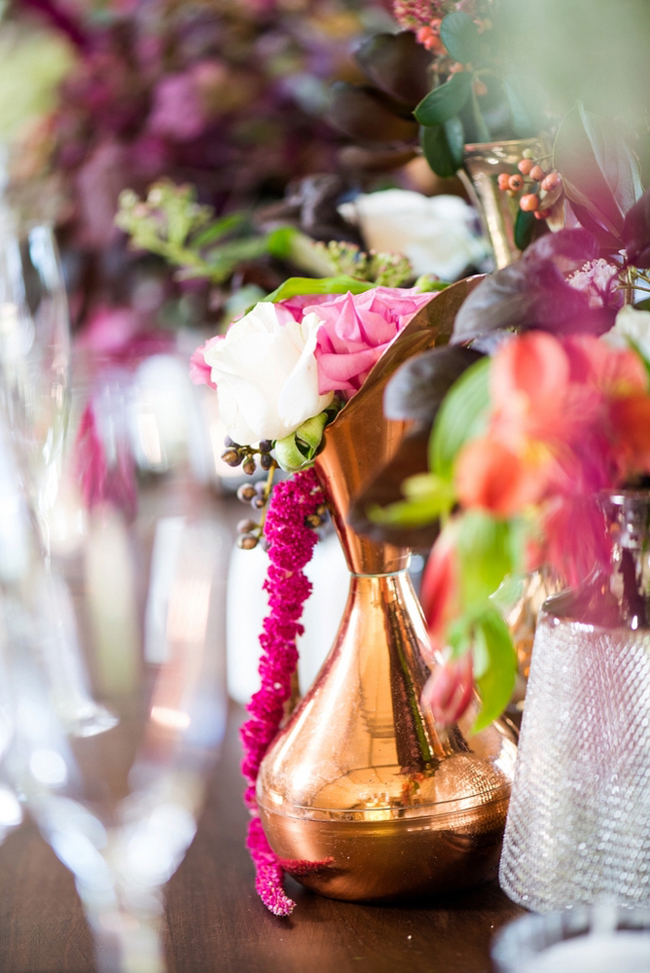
(360, 781)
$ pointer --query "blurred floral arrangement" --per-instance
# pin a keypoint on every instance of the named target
(227, 97)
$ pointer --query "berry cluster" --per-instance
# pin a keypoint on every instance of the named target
(244, 456)
(542, 187)
(251, 532)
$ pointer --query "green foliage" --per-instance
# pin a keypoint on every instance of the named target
(173, 225)
(462, 416)
(524, 226)
(445, 101)
(443, 146)
(526, 99)
(459, 35)
(297, 286)
(495, 666)
(382, 269)
(427, 498)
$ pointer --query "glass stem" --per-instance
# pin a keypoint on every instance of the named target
(127, 943)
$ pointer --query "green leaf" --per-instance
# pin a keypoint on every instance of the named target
(526, 99)
(437, 151)
(445, 101)
(643, 305)
(295, 286)
(218, 229)
(462, 416)
(459, 35)
(428, 497)
(280, 242)
(524, 226)
(495, 666)
(487, 552)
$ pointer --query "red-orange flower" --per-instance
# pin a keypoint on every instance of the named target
(449, 690)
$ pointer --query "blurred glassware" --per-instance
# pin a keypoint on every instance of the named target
(34, 356)
(119, 807)
(603, 938)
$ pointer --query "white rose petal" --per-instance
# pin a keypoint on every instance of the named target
(266, 375)
(630, 324)
(436, 234)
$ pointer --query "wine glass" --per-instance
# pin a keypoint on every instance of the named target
(119, 807)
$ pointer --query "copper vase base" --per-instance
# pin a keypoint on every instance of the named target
(376, 861)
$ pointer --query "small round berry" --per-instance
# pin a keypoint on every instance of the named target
(528, 154)
(249, 466)
(322, 510)
(247, 542)
(515, 182)
(525, 166)
(266, 461)
(529, 203)
(260, 488)
(503, 181)
(551, 181)
(537, 173)
(246, 492)
(258, 502)
(246, 526)
(313, 520)
(266, 445)
(231, 442)
(232, 457)
(542, 214)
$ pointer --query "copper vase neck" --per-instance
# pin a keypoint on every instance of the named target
(352, 454)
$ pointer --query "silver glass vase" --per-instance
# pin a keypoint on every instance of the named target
(578, 826)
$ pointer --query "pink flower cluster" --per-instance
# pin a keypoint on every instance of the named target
(291, 544)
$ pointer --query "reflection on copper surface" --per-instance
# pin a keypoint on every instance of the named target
(361, 775)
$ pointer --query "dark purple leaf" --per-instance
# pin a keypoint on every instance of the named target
(398, 65)
(529, 294)
(575, 246)
(636, 232)
(411, 458)
(365, 113)
(418, 387)
(599, 172)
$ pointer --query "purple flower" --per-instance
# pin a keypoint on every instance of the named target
(177, 111)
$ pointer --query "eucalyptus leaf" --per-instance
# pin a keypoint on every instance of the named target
(462, 416)
(459, 35)
(445, 101)
(299, 286)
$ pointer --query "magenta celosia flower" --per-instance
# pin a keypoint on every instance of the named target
(356, 330)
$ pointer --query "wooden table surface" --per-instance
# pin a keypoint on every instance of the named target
(216, 924)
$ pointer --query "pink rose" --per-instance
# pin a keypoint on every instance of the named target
(200, 371)
(356, 330)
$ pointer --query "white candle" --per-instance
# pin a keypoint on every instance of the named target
(615, 952)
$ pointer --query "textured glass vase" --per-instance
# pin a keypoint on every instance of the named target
(578, 827)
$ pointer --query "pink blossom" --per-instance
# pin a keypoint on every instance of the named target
(177, 111)
(200, 371)
(356, 330)
(598, 279)
(440, 590)
(119, 334)
(449, 690)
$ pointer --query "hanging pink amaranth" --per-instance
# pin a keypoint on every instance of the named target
(291, 545)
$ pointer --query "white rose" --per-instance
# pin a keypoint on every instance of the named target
(266, 375)
(631, 327)
(436, 234)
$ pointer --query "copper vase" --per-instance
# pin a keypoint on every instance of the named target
(361, 796)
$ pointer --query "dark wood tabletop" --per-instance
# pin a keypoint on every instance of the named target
(215, 922)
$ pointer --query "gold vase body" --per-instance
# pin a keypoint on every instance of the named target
(361, 796)
(483, 163)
